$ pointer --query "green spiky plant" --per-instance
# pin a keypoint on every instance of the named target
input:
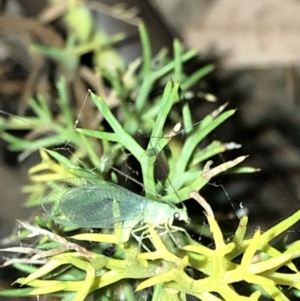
(169, 270)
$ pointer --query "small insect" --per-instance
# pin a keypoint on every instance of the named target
(91, 203)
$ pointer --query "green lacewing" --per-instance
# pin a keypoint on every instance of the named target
(79, 202)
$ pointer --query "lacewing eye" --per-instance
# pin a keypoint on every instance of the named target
(176, 216)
